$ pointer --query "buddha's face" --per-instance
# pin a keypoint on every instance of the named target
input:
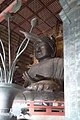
(42, 50)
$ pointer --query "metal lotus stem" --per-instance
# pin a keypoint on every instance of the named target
(34, 22)
(3, 59)
(15, 60)
(18, 54)
(9, 50)
(3, 50)
(3, 67)
(0, 74)
(8, 74)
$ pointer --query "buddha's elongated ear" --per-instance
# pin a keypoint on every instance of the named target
(54, 44)
(53, 38)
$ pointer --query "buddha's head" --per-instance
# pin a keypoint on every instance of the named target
(45, 48)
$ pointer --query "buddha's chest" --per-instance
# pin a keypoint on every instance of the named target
(43, 69)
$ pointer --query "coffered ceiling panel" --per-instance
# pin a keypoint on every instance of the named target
(44, 14)
(51, 21)
(17, 19)
(35, 5)
(54, 7)
(43, 27)
(47, 2)
(26, 25)
(25, 12)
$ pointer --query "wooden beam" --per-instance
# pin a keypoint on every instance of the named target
(9, 9)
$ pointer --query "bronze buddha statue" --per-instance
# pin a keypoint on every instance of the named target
(48, 73)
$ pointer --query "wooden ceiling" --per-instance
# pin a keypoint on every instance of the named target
(47, 12)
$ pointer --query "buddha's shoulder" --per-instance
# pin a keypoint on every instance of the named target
(56, 60)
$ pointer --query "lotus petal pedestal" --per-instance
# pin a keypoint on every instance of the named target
(7, 95)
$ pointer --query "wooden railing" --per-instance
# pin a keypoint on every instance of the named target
(44, 107)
